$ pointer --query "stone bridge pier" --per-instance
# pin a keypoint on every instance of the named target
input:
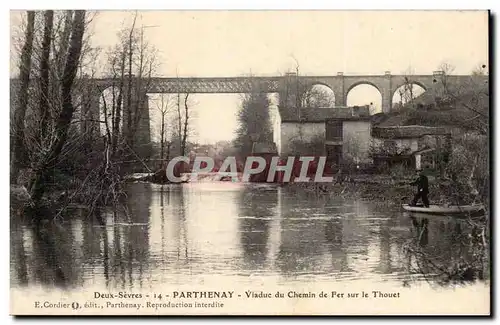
(92, 109)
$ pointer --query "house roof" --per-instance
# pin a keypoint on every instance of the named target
(424, 151)
(320, 114)
(406, 131)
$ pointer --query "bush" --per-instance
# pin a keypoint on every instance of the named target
(468, 168)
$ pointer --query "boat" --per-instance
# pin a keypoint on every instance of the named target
(442, 209)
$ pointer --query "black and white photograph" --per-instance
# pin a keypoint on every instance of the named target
(250, 162)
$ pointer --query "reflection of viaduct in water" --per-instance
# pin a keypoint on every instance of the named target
(268, 230)
(168, 234)
(308, 235)
(256, 210)
(302, 240)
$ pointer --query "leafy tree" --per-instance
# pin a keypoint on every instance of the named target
(254, 119)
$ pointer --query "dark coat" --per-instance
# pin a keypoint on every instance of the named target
(422, 183)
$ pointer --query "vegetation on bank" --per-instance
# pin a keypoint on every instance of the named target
(59, 157)
(64, 152)
(379, 189)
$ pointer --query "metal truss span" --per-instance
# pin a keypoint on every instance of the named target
(214, 85)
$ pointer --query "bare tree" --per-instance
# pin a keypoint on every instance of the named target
(131, 65)
(183, 115)
(44, 72)
(473, 96)
(294, 91)
(60, 42)
(317, 97)
(50, 47)
(407, 91)
(117, 61)
(179, 122)
(129, 84)
(444, 90)
(65, 116)
(467, 155)
(299, 94)
(145, 63)
(164, 108)
(17, 145)
(185, 132)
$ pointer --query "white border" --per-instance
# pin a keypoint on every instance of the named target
(258, 5)
(192, 4)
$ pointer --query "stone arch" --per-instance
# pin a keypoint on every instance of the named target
(413, 82)
(375, 104)
(399, 99)
(318, 94)
(362, 82)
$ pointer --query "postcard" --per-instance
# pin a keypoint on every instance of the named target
(249, 163)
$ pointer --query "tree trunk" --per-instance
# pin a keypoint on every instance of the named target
(186, 117)
(44, 74)
(17, 139)
(180, 122)
(62, 124)
(117, 116)
(63, 43)
(138, 93)
(60, 44)
(129, 89)
(162, 134)
(162, 139)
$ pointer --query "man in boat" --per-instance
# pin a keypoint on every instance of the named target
(422, 183)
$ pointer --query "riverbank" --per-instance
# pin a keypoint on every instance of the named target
(379, 189)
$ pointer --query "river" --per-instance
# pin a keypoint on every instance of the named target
(250, 234)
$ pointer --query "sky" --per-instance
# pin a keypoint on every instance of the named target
(233, 43)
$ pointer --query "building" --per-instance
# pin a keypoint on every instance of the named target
(348, 135)
(337, 132)
(413, 145)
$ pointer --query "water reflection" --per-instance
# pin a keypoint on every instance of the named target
(180, 234)
(18, 265)
(336, 245)
(301, 248)
(256, 210)
(421, 230)
(450, 249)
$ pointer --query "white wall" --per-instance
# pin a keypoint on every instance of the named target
(411, 143)
(304, 131)
(276, 123)
(357, 139)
